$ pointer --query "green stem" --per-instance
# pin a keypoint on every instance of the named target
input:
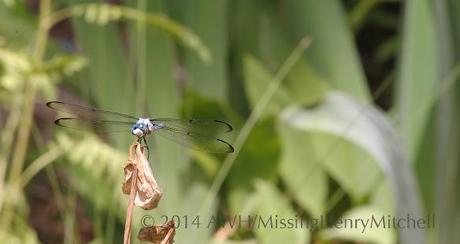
(8, 133)
(44, 27)
(39, 163)
(22, 140)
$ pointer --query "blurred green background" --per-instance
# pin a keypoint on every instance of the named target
(341, 109)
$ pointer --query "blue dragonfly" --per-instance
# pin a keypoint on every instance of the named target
(199, 134)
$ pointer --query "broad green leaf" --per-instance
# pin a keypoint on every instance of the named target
(301, 171)
(106, 78)
(331, 129)
(351, 136)
(444, 179)
(332, 52)
(355, 225)
(418, 74)
(257, 79)
(273, 205)
(258, 159)
(197, 106)
(202, 17)
(244, 39)
(382, 197)
(305, 84)
(198, 226)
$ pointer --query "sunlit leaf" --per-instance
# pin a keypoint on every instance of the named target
(352, 139)
(301, 171)
(257, 79)
(332, 52)
(272, 204)
(418, 74)
(355, 225)
(202, 16)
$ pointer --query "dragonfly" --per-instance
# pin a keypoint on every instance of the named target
(198, 134)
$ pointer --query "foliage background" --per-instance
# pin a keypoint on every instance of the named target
(363, 121)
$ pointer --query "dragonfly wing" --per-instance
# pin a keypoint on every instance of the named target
(195, 140)
(200, 126)
(98, 126)
(87, 112)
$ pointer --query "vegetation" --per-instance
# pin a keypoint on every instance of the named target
(342, 109)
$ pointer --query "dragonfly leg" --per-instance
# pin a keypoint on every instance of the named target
(146, 147)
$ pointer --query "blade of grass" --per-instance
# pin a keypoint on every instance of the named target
(446, 197)
(38, 164)
(417, 73)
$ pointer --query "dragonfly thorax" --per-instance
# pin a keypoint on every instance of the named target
(142, 127)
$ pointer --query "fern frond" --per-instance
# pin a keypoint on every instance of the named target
(104, 13)
(20, 67)
(91, 160)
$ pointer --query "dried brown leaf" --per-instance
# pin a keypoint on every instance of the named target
(162, 234)
(148, 193)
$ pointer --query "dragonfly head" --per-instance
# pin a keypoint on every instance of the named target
(142, 127)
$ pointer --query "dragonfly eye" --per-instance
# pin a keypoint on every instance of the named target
(137, 130)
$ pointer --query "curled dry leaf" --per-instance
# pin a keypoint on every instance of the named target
(148, 193)
(162, 234)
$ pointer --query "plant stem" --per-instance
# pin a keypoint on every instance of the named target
(6, 142)
(38, 164)
(129, 209)
(22, 140)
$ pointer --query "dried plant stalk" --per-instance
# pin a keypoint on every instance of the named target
(129, 209)
(140, 184)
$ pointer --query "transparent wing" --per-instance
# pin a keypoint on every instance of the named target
(201, 126)
(87, 112)
(195, 140)
(98, 126)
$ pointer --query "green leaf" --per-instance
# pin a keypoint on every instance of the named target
(301, 171)
(257, 79)
(305, 85)
(418, 74)
(272, 204)
(362, 232)
(333, 128)
(382, 197)
(352, 139)
(258, 159)
(332, 52)
(202, 16)
(107, 78)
